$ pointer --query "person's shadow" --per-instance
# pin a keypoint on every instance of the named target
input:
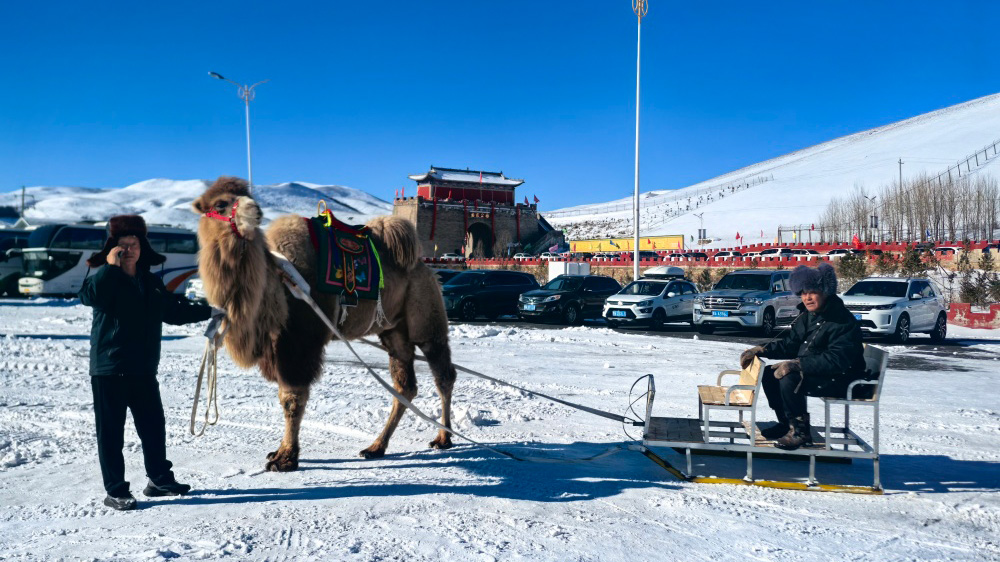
(490, 475)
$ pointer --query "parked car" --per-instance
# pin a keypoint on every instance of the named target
(651, 302)
(581, 256)
(549, 255)
(453, 257)
(776, 253)
(898, 307)
(490, 293)
(692, 255)
(727, 254)
(195, 290)
(750, 298)
(444, 275)
(945, 250)
(568, 298)
(523, 256)
(991, 248)
(841, 252)
(804, 252)
(752, 255)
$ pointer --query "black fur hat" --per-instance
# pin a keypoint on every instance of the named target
(127, 225)
(823, 279)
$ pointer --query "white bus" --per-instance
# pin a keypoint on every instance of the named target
(12, 240)
(55, 258)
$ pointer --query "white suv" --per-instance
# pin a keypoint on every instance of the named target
(898, 307)
(651, 302)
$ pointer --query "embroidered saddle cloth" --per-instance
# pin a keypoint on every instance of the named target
(347, 262)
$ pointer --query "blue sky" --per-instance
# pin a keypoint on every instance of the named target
(364, 93)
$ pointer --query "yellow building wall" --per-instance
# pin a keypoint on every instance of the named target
(671, 242)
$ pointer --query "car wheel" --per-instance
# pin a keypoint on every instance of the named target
(902, 333)
(659, 319)
(468, 310)
(940, 331)
(706, 329)
(571, 315)
(767, 324)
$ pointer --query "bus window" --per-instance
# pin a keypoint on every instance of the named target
(158, 242)
(86, 239)
(181, 243)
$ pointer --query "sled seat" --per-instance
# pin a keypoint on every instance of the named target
(741, 397)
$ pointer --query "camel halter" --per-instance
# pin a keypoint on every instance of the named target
(231, 219)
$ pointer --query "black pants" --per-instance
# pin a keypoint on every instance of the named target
(114, 394)
(781, 394)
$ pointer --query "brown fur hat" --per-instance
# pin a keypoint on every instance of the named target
(127, 225)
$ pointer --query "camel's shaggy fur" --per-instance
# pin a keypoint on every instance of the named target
(268, 327)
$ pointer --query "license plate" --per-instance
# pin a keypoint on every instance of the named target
(529, 307)
(720, 313)
(620, 313)
(857, 317)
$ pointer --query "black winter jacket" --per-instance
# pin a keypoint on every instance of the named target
(125, 335)
(830, 352)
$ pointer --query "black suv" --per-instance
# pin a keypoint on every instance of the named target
(569, 298)
(481, 292)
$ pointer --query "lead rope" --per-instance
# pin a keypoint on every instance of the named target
(300, 290)
(209, 360)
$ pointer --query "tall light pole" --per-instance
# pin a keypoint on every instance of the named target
(872, 221)
(246, 93)
(640, 7)
(701, 226)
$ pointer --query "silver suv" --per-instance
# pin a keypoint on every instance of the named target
(897, 307)
(750, 298)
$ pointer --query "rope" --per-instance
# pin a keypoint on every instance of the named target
(209, 360)
(300, 290)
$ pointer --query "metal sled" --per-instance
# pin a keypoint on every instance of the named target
(713, 436)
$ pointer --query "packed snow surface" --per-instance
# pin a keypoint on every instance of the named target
(940, 436)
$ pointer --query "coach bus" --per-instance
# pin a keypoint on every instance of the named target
(55, 259)
(12, 240)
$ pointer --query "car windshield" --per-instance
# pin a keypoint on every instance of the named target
(744, 282)
(877, 289)
(647, 288)
(466, 278)
(563, 284)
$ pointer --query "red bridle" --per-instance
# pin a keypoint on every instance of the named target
(231, 219)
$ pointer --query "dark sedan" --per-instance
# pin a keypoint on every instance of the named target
(568, 298)
(480, 292)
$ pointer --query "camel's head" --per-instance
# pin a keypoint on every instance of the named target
(227, 208)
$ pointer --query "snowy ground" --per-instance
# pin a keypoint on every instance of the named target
(940, 431)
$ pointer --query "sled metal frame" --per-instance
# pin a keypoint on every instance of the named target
(831, 443)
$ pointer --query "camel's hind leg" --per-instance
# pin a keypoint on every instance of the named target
(438, 356)
(401, 354)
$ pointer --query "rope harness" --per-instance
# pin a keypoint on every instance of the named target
(231, 219)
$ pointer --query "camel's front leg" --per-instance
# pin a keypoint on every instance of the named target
(293, 403)
(405, 382)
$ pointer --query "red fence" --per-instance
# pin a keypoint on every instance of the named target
(961, 314)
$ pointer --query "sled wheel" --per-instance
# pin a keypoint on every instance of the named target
(940, 329)
(902, 334)
(767, 325)
(468, 310)
(571, 315)
(659, 319)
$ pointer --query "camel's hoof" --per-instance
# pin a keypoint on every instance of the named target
(372, 453)
(281, 462)
(441, 444)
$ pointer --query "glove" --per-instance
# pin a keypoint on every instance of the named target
(746, 358)
(787, 367)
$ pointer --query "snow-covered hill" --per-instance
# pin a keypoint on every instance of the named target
(164, 201)
(795, 188)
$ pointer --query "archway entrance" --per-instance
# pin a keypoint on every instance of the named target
(479, 241)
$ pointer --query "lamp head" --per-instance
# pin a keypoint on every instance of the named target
(216, 75)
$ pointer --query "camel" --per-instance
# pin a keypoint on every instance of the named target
(267, 327)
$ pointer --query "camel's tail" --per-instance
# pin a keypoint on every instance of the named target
(399, 236)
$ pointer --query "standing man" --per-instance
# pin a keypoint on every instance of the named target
(130, 305)
(824, 352)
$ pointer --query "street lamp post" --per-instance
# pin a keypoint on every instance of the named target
(640, 7)
(246, 93)
(872, 220)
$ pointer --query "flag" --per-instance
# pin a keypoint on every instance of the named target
(857, 242)
(435, 248)
(761, 233)
(449, 194)
(574, 246)
(793, 235)
(526, 200)
(737, 235)
(813, 227)
(397, 194)
(654, 245)
(553, 247)
(536, 199)
(612, 242)
(480, 177)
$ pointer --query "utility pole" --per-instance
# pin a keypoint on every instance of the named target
(640, 7)
(701, 226)
(22, 202)
(900, 173)
(247, 94)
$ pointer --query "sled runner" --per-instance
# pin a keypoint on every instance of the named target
(742, 437)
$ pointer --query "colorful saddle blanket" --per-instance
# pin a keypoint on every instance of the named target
(347, 262)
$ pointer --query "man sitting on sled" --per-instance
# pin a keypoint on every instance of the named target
(824, 352)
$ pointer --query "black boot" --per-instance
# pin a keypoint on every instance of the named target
(799, 436)
(775, 431)
(170, 488)
(120, 503)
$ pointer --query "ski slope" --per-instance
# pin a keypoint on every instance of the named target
(796, 188)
